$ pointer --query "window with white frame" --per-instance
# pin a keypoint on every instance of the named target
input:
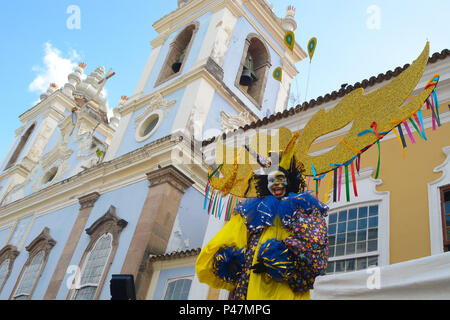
(4, 270)
(8, 255)
(94, 268)
(178, 289)
(98, 256)
(29, 277)
(38, 254)
(353, 238)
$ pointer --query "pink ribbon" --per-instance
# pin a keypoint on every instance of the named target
(340, 183)
(409, 132)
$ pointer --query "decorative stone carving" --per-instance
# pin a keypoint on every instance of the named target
(57, 158)
(157, 103)
(88, 201)
(170, 175)
(289, 23)
(230, 123)
(42, 242)
(40, 142)
(109, 222)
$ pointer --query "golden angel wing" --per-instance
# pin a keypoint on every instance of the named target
(383, 106)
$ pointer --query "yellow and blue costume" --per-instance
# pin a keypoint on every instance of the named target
(285, 239)
(276, 244)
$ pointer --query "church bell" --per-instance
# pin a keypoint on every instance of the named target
(177, 65)
(248, 75)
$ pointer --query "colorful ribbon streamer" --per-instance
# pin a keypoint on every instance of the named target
(433, 114)
(355, 191)
(402, 137)
(379, 160)
(328, 189)
(206, 195)
(219, 208)
(315, 173)
(335, 185)
(358, 163)
(415, 127)
(411, 137)
(419, 115)
(401, 142)
(347, 184)
(317, 189)
(436, 102)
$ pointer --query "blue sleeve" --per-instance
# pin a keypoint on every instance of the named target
(228, 263)
(277, 259)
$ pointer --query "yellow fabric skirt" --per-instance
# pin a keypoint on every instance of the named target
(260, 287)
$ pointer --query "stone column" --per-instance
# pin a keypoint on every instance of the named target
(155, 224)
(87, 203)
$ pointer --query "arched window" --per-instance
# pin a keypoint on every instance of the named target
(4, 267)
(20, 146)
(98, 256)
(178, 289)
(94, 267)
(178, 53)
(7, 256)
(29, 277)
(39, 250)
(254, 69)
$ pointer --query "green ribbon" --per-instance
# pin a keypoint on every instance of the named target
(214, 206)
(347, 184)
(215, 171)
(379, 160)
(317, 188)
(416, 127)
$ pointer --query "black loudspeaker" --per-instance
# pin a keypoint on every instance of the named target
(122, 287)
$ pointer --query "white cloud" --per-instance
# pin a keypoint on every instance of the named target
(55, 70)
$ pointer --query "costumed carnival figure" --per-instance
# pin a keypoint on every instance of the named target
(276, 243)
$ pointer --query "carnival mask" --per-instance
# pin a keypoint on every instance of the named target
(277, 184)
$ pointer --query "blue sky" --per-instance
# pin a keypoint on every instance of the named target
(356, 40)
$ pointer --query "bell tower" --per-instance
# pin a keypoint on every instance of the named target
(210, 70)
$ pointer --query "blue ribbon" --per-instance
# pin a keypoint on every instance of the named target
(315, 173)
(419, 114)
(345, 164)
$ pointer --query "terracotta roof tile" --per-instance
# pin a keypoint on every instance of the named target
(174, 255)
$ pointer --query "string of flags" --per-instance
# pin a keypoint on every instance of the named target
(219, 206)
(341, 173)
